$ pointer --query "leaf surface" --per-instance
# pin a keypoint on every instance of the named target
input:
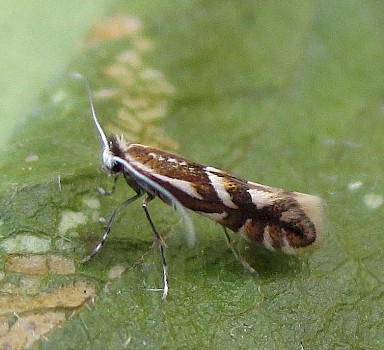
(288, 95)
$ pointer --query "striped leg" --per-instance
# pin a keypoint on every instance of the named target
(109, 225)
(161, 244)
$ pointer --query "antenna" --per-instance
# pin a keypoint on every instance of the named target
(102, 136)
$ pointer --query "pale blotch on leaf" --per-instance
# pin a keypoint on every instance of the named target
(70, 296)
(39, 264)
(135, 103)
(25, 244)
(91, 202)
(116, 271)
(355, 185)
(129, 120)
(373, 200)
(60, 265)
(143, 44)
(26, 284)
(155, 135)
(64, 244)
(59, 96)
(130, 57)
(91, 207)
(150, 74)
(113, 28)
(28, 329)
(70, 220)
(27, 264)
(124, 76)
(153, 113)
(106, 93)
(31, 158)
(24, 330)
(29, 285)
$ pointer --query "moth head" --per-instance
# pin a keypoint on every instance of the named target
(113, 154)
(107, 157)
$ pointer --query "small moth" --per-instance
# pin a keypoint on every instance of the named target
(272, 217)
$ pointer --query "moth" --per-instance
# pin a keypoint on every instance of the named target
(269, 216)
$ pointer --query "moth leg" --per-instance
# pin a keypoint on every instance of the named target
(103, 192)
(238, 256)
(162, 246)
(109, 225)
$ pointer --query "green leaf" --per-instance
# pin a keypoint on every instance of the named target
(288, 95)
